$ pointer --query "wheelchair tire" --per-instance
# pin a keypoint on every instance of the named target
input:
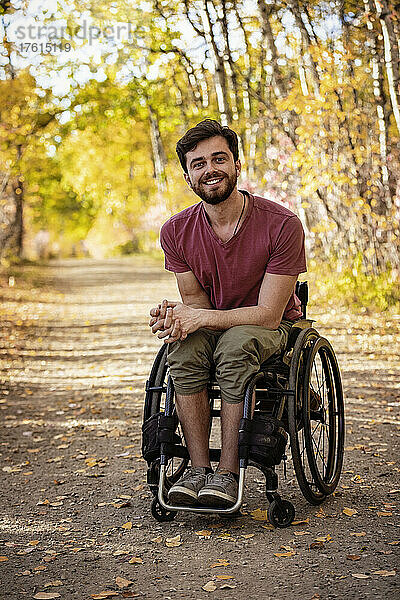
(323, 416)
(160, 513)
(157, 378)
(154, 403)
(281, 514)
(302, 347)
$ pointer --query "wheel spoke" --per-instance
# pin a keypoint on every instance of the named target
(318, 452)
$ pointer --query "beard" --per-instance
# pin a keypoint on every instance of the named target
(222, 191)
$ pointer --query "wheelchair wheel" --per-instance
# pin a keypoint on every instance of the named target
(161, 514)
(157, 379)
(155, 403)
(323, 416)
(281, 514)
(302, 348)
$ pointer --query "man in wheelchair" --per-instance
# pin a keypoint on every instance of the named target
(236, 258)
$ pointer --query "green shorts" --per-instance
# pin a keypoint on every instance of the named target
(236, 354)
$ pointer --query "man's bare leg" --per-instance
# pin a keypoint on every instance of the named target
(194, 415)
(230, 420)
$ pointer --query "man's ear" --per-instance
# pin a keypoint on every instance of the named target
(187, 179)
(238, 166)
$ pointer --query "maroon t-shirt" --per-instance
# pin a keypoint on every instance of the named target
(271, 239)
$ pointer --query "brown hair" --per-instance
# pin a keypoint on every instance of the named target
(202, 131)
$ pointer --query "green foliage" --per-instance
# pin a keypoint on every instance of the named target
(335, 284)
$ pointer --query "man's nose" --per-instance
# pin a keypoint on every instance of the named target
(209, 168)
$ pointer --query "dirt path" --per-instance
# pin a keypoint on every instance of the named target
(74, 515)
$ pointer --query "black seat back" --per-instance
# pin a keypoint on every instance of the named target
(301, 292)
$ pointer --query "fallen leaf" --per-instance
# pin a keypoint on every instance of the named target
(304, 522)
(383, 513)
(350, 512)
(3, 558)
(301, 532)
(55, 583)
(173, 542)
(120, 552)
(220, 563)
(360, 576)
(316, 545)
(122, 582)
(247, 536)
(33, 543)
(47, 595)
(325, 538)
(157, 540)
(206, 533)
(284, 554)
(353, 556)
(359, 534)
(224, 577)
(259, 515)
(105, 594)
(395, 543)
(209, 587)
(384, 573)
(127, 525)
(135, 560)
(227, 586)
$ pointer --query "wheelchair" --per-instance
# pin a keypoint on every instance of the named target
(298, 398)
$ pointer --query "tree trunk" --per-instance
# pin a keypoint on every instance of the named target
(159, 158)
(219, 73)
(391, 57)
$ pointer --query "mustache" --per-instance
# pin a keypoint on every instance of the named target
(210, 177)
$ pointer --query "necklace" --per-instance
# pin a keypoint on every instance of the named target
(241, 214)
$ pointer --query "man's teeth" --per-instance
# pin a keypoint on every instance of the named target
(212, 181)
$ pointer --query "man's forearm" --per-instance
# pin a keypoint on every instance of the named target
(221, 320)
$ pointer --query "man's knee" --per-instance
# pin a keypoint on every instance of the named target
(246, 341)
(190, 361)
(238, 356)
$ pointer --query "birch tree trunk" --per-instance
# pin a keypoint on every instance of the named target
(391, 57)
(219, 73)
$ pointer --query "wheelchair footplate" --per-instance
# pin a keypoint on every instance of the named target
(230, 510)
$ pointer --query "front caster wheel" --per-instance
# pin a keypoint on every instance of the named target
(280, 514)
(160, 513)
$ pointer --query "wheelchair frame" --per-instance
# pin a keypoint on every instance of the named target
(300, 388)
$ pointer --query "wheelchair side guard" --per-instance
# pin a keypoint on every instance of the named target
(158, 435)
(263, 440)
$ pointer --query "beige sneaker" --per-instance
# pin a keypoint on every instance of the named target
(186, 490)
(221, 489)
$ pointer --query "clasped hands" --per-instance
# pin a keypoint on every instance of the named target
(173, 321)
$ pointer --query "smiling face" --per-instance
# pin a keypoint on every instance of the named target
(212, 171)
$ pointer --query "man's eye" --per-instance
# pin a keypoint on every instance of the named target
(220, 159)
(197, 165)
